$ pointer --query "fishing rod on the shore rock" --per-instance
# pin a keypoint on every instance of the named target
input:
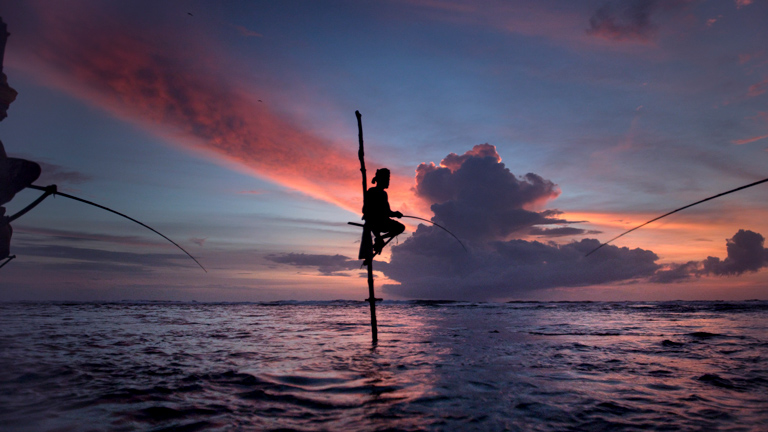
(677, 210)
(52, 190)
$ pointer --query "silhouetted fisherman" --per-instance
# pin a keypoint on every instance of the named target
(377, 213)
(15, 174)
(5, 236)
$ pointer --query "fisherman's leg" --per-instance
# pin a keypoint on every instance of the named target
(378, 243)
(377, 228)
(392, 230)
(5, 241)
(397, 228)
(5, 235)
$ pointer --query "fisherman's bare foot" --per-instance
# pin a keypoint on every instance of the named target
(378, 245)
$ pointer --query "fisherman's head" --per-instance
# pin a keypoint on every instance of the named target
(7, 95)
(381, 179)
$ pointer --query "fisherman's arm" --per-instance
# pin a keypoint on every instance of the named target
(49, 190)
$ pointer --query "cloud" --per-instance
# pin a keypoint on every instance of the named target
(676, 272)
(476, 197)
(245, 32)
(749, 140)
(33, 234)
(746, 253)
(712, 21)
(476, 187)
(56, 174)
(560, 232)
(429, 266)
(758, 88)
(141, 75)
(104, 260)
(328, 265)
(628, 20)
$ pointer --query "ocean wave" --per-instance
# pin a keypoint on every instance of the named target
(438, 366)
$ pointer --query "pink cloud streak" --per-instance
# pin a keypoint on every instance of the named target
(749, 140)
(758, 88)
(178, 95)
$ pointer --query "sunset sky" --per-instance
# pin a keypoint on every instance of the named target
(534, 130)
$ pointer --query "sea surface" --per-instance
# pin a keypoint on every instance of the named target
(442, 366)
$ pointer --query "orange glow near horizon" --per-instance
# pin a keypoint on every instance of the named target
(678, 238)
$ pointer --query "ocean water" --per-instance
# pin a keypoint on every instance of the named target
(438, 366)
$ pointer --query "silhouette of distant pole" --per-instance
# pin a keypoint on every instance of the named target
(371, 298)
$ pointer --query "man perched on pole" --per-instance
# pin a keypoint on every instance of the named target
(377, 213)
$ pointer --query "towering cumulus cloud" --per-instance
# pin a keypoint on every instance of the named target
(478, 198)
(494, 212)
(746, 253)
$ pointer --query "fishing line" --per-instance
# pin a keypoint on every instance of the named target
(675, 211)
(123, 215)
(441, 227)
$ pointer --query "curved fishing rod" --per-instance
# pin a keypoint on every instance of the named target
(675, 211)
(55, 192)
(441, 227)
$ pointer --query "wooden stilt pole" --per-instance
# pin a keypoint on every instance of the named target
(372, 301)
(369, 254)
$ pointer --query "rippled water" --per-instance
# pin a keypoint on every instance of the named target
(437, 366)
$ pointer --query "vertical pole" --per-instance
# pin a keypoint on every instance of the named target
(372, 302)
(371, 297)
(361, 150)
